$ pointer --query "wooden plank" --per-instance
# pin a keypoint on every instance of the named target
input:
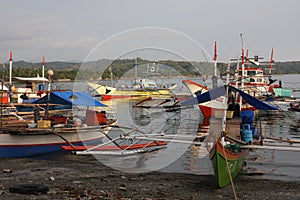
(271, 148)
(284, 140)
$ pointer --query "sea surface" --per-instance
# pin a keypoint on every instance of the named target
(189, 158)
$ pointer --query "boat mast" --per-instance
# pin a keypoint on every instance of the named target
(2, 90)
(243, 70)
(215, 58)
(237, 71)
(271, 62)
(10, 68)
(43, 67)
(10, 77)
(226, 97)
(111, 76)
(135, 75)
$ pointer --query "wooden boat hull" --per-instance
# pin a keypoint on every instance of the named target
(42, 142)
(218, 156)
(194, 87)
(208, 108)
(209, 111)
(108, 97)
(123, 94)
(133, 94)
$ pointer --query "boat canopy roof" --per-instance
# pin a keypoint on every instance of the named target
(221, 91)
(65, 98)
(31, 79)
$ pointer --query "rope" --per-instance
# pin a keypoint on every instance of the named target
(231, 180)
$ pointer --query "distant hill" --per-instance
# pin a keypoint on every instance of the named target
(56, 65)
(291, 67)
(92, 70)
(287, 67)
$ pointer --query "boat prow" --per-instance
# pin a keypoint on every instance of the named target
(195, 88)
(227, 162)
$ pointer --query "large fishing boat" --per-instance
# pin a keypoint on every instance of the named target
(255, 77)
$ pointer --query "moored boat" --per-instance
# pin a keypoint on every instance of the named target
(295, 106)
(227, 158)
(45, 134)
(208, 108)
(25, 142)
(227, 162)
(109, 93)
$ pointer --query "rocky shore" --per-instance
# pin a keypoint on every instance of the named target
(86, 178)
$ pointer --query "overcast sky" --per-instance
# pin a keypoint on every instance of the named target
(64, 30)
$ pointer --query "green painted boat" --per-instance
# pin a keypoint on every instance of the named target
(235, 159)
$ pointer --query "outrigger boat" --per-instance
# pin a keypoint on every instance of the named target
(227, 159)
(139, 87)
(128, 144)
(109, 93)
(40, 135)
(215, 106)
(208, 108)
(122, 145)
(26, 142)
(227, 162)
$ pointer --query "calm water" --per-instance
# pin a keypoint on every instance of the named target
(186, 158)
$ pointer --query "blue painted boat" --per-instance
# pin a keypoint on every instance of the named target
(21, 140)
(25, 142)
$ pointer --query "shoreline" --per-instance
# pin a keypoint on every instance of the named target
(83, 177)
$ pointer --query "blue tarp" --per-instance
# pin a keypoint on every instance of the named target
(253, 101)
(247, 117)
(81, 99)
(220, 91)
(206, 96)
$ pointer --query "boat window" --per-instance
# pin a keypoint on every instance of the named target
(251, 73)
(259, 80)
(252, 80)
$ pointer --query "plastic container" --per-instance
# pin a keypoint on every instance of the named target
(229, 114)
(246, 133)
(43, 124)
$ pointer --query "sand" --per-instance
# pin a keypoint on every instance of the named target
(85, 178)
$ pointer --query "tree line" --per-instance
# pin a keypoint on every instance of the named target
(117, 68)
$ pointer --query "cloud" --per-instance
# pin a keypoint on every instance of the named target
(31, 38)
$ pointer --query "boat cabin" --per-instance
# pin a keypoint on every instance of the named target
(34, 87)
(144, 84)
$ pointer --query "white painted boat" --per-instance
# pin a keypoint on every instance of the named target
(25, 142)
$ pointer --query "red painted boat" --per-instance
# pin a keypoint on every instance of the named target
(114, 147)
